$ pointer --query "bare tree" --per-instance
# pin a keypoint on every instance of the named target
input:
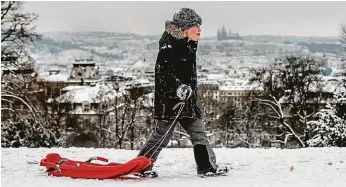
(243, 123)
(102, 112)
(123, 113)
(292, 90)
(225, 121)
(343, 34)
(209, 106)
(56, 109)
(247, 125)
(21, 115)
(17, 31)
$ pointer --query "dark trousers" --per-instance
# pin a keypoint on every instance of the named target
(204, 155)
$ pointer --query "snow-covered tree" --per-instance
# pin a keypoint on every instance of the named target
(208, 105)
(17, 31)
(243, 124)
(330, 127)
(123, 117)
(22, 121)
(227, 115)
(22, 134)
(340, 97)
(291, 90)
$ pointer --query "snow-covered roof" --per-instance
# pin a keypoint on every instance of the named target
(215, 76)
(85, 62)
(117, 69)
(80, 110)
(142, 81)
(127, 75)
(54, 69)
(328, 84)
(235, 82)
(328, 78)
(140, 64)
(60, 77)
(239, 88)
(333, 86)
(208, 82)
(72, 87)
(338, 71)
(138, 82)
(91, 94)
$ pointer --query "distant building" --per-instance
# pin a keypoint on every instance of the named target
(83, 72)
(227, 93)
(236, 95)
(209, 89)
(223, 35)
(84, 69)
(141, 67)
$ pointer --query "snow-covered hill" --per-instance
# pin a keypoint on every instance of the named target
(176, 167)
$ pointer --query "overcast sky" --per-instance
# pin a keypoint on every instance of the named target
(275, 18)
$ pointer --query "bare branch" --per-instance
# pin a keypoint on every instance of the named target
(14, 112)
(293, 133)
(9, 101)
(24, 102)
(270, 105)
(107, 130)
(343, 34)
(10, 109)
(5, 9)
(282, 142)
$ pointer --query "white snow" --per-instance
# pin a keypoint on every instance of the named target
(73, 87)
(140, 64)
(166, 46)
(176, 167)
(91, 94)
(60, 77)
(237, 88)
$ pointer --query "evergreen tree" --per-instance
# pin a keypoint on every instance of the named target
(330, 128)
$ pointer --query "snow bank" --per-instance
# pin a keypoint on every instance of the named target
(176, 167)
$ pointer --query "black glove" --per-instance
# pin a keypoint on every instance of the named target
(184, 92)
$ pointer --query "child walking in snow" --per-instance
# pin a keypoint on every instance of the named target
(176, 81)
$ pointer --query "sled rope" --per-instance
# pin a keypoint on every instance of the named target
(182, 104)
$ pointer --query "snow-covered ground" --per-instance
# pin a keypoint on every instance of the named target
(176, 167)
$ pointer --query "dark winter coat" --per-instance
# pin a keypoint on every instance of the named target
(175, 65)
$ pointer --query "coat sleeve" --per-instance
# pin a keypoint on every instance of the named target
(166, 71)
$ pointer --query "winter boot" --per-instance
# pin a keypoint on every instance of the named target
(213, 172)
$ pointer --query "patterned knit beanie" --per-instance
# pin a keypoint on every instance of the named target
(186, 18)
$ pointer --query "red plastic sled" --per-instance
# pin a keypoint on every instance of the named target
(62, 167)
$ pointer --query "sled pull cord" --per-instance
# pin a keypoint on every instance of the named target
(182, 104)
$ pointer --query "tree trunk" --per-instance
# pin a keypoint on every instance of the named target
(116, 118)
(301, 143)
(227, 133)
(132, 139)
(120, 142)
